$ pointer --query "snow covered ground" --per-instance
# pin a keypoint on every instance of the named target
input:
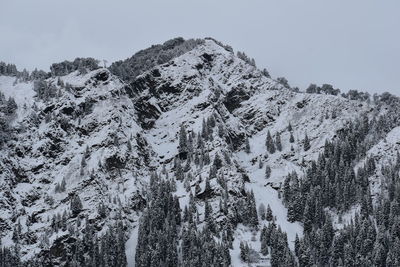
(200, 79)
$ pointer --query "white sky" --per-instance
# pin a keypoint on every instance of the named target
(350, 44)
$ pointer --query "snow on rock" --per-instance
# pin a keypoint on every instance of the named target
(22, 93)
(104, 138)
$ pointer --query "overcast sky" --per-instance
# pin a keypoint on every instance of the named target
(350, 44)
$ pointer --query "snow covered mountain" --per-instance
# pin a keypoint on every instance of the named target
(83, 150)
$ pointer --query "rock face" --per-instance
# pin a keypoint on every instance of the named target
(104, 138)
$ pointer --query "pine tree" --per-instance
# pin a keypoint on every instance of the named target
(267, 172)
(261, 211)
(269, 216)
(244, 251)
(217, 163)
(205, 130)
(269, 143)
(129, 146)
(183, 143)
(306, 143)
(297, 247)
(278, 142)
(290, 128)
(83, 165)
(260, 163)
(76, 205)
(264, 241)
(221, 130)
(291, 138)
(178, 170)
(247, 146)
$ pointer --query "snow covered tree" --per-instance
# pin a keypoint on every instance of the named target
(290, 128)
(266, 73)
(268, 215)
(291, 138)
(76, 205)
(161, 216)
(278, 142)
(217, 161)
(260, 163)
(306, 143)
(183, 143)
(267, 172)
(244, 251)
(261, 211)
(204, 130)
(247, 146)
(269, 143)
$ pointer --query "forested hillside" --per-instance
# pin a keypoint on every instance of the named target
(186, 154)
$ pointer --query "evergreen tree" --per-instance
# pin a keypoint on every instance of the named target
(183, 143)
(267, 172)
(291, 138)
(306, 143)
(269, 216)
(269, 143)
(262, 211)
(217, 163)
(278, 142)
(247, 146)
(290, 128)
(76, 205)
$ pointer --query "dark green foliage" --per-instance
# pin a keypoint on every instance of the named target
(162, 215)
(83, 65)
(183, 143)
(247, 146)
(268, 215)
(60, 187)
(274, 238)
(291, 138)
(283, 81)
(148, 58)
(39, 75)
(205, 130)
(10, 106)
(267, 172)
(331, 182)
(244, 251)
(199, 248)
(261, 211)
(290, 128)
(178, 170)
(8, 69)
(86, 250)
(9, 257)
(278, 142)
(44, 90)
(269, 143)
(266, 73)
(356, 95)
(246, 210)
(245, 58)
(158, 233)
(76, 205)
(306, 143)
(217, 161)
(324, 89)
(7, 112)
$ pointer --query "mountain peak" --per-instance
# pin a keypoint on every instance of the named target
(112, 156)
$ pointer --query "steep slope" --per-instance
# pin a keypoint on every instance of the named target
(104, 138)
(80, 138)
(211, 80)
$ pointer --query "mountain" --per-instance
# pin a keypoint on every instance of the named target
(179, 154)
